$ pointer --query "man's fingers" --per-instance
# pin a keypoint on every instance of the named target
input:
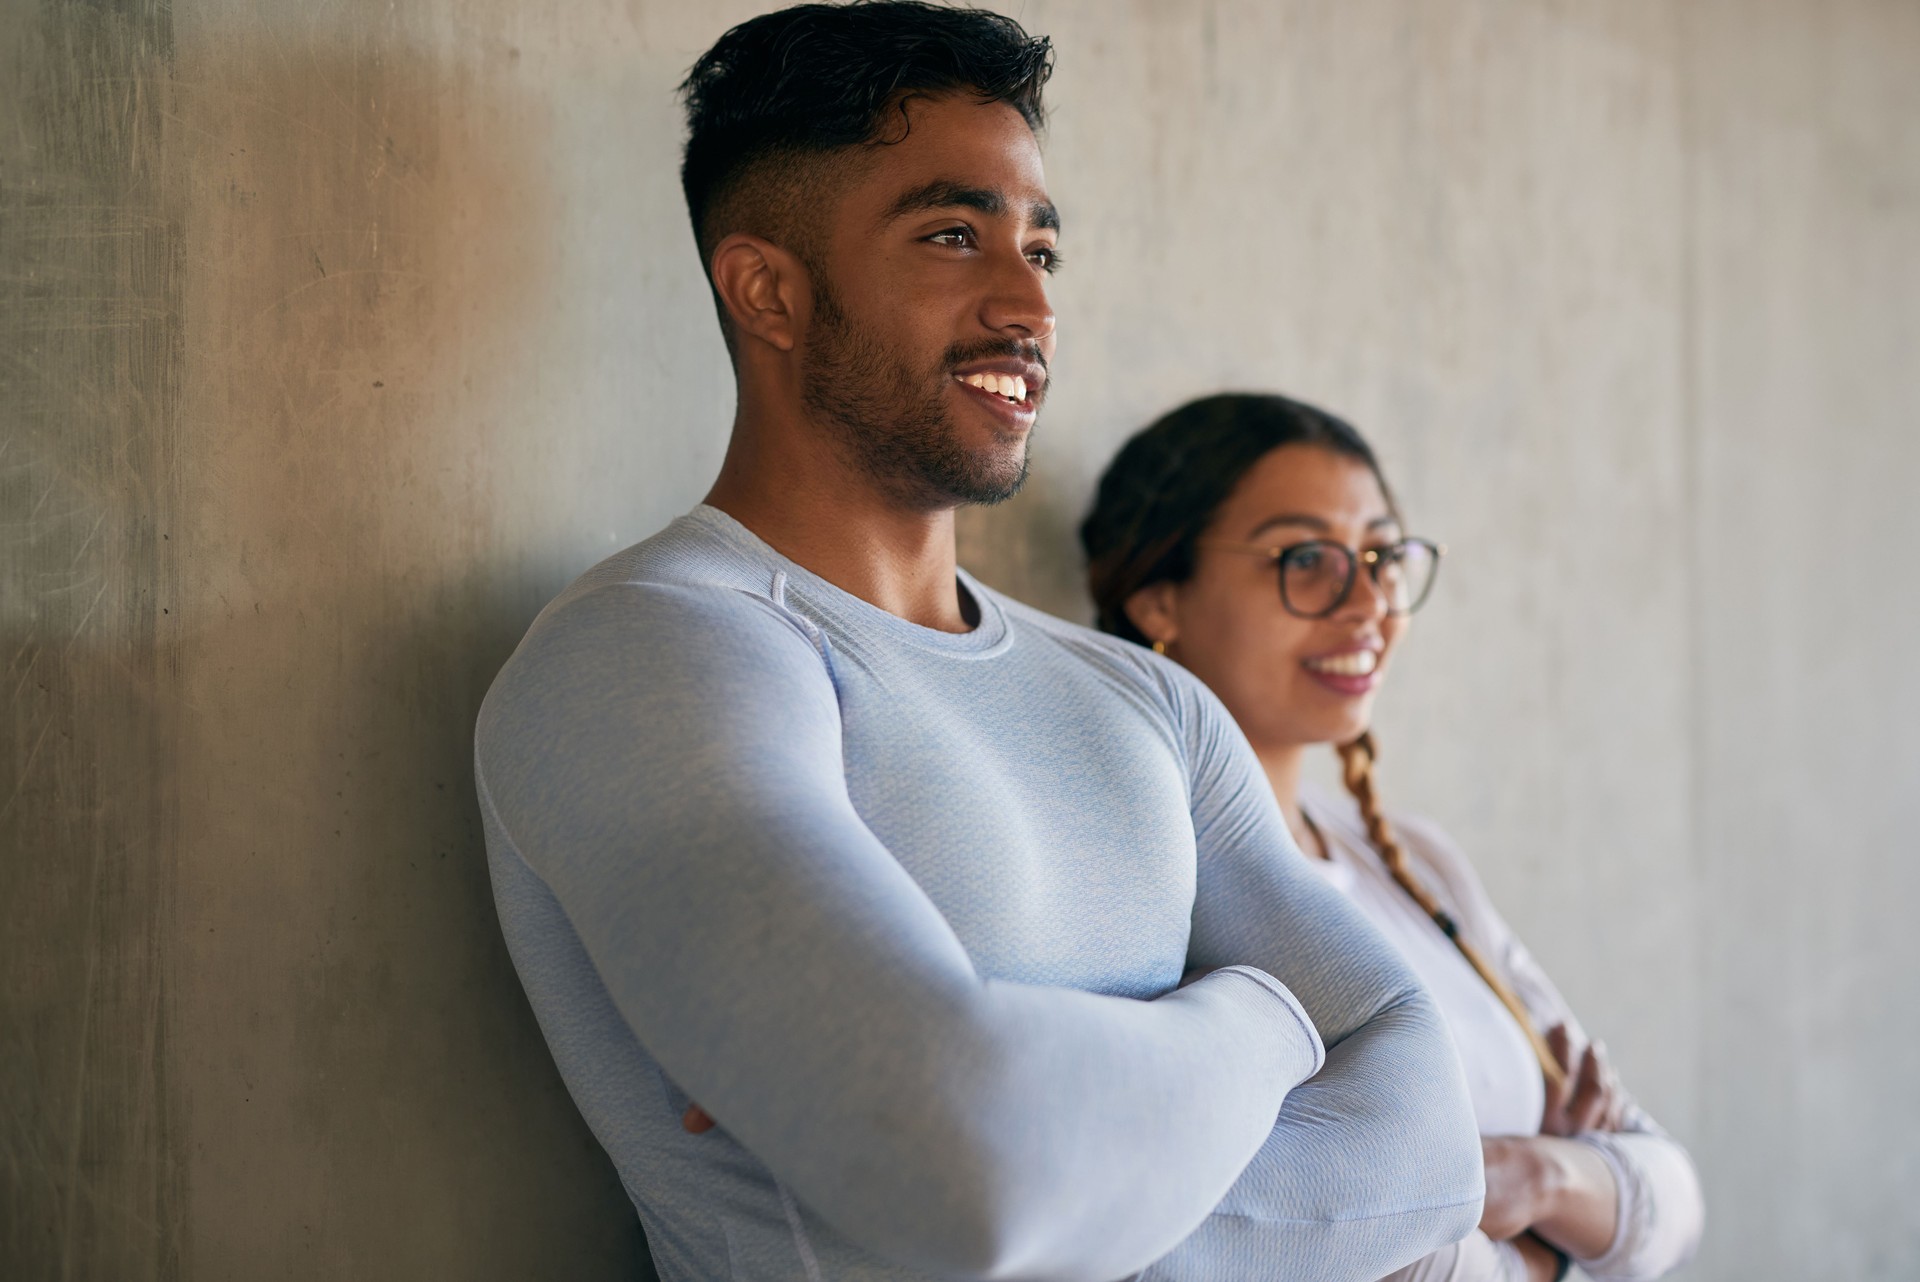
(695, 1120)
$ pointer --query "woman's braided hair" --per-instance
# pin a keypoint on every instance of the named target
(1160, 493)
(1356, 761)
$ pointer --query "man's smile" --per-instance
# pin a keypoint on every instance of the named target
(1012, 387)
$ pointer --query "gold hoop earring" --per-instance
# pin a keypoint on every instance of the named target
(1159, 647)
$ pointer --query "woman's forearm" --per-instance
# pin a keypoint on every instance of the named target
(1581, 1204)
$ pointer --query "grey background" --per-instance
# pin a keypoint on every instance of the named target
(336, 336)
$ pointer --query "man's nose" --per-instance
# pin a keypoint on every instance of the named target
(1017, 299)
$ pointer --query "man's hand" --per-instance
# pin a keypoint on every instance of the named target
(1590, 1098)
(695, 1120)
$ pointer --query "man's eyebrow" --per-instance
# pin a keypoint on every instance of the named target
(945, 193)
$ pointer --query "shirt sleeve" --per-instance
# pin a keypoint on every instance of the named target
(668, 761)
(1374, 1162)
(1474, 1258)
(1661, 1211)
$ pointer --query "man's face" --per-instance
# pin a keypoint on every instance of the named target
(928, 346)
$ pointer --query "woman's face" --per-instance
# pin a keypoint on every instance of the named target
(1288, 681)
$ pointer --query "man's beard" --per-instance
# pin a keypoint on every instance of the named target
(892, 420)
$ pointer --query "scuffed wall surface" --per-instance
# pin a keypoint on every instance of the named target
(90, 1169)
(340, 334)
(379, 357)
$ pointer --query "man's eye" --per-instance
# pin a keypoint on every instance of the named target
(953, 237)
(1046, 258)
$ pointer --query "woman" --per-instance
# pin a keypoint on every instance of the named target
(1254, 540)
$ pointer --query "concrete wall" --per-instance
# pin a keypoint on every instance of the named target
(338, 335)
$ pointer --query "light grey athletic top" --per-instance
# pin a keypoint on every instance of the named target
(906, 912)
(1658, 1225)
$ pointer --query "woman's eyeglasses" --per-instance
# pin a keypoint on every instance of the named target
(1317, 577)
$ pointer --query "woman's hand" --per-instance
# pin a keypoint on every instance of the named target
(1543, 1181)
(1560, 1189)
(1590, 1098)
(1542, 1261)
(1517, 1186)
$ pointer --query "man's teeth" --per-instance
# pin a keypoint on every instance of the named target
(1354, 663)
(1011, 386)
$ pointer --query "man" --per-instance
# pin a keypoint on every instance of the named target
(896, 878)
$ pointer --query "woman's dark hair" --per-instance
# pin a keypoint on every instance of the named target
(1163, 488)
(786, 88)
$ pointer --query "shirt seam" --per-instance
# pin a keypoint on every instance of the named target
(1397, 1213)
(1316, 1044)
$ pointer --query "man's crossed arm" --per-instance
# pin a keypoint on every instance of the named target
(779, 964)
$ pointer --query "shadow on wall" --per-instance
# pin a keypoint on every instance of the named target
(89, 345)
(288, 290)
(1029, 546)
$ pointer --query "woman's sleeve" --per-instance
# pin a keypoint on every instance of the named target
(1661, 1212)
(1474, 1258)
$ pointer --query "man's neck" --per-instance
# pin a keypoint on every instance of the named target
(813, 510)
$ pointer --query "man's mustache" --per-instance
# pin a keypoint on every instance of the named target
(987, 349)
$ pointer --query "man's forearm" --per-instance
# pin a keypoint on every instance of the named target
(1370, 1166)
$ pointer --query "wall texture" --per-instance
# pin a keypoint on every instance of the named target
(338, 335)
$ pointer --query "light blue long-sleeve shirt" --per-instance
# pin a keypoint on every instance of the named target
(905, 911)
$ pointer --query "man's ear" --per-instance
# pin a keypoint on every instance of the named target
(764, 288)
(1154, 610)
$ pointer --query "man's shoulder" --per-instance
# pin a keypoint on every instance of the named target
(682, 601)
(695, 574)
(1076, 637)
(689, 553)
(1176, 696)
(1122, 659)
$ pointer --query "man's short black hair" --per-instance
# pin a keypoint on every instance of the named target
(783, 92)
